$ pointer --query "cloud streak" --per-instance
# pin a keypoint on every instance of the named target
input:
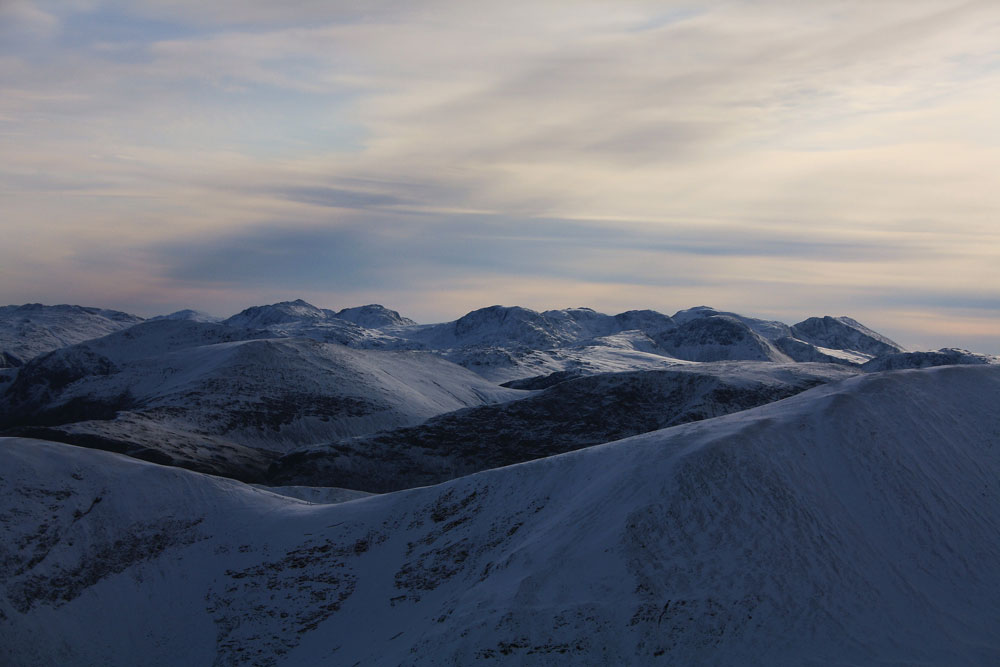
(795, 154)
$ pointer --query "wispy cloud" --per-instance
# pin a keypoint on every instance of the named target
(758, 154)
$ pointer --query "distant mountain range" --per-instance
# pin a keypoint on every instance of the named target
(233, 396)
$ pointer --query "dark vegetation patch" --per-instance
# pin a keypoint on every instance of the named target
(263, 611)
(140, 542)
(569, 415)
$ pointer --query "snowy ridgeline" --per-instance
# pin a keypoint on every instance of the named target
(271, 390)
(696, 334)
(856, 523)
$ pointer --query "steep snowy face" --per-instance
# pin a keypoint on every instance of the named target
(843, 333)
(943, 357)
(718, 338)
(374, 316)
(855, 523)
(567, 415)
(33, 329)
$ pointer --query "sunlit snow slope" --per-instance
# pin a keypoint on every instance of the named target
(857, 523)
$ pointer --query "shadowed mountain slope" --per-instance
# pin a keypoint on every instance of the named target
(575, 413)
(857, 523)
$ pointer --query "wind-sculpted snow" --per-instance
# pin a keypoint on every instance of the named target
(33, 329)
(202, 406)
(857, 523)
(574, 413)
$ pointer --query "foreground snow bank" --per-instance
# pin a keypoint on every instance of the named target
(856, 523)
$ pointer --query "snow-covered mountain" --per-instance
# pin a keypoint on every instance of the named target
(262, 317)
(513, 326)
(155, 387)
(843, 333)
(837, 340)
(33, 329)
(769, 329)
(577, 412)
(718, 338)
(374, 316)
(857, 523)
(299, 319)
(508, 343)
(217, 397)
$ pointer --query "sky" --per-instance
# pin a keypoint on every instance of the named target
(775, 158)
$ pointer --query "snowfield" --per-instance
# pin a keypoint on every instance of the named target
(856, 523)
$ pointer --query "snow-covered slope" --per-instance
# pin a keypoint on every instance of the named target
(155, 338)
(273, 394)
(799, 350)
(33, 329)
(944, 357)
(857, 523)
(575, 413)
(629, 350)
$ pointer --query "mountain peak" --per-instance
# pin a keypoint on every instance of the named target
(374, 316)
(278, 313)
(844, 333)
